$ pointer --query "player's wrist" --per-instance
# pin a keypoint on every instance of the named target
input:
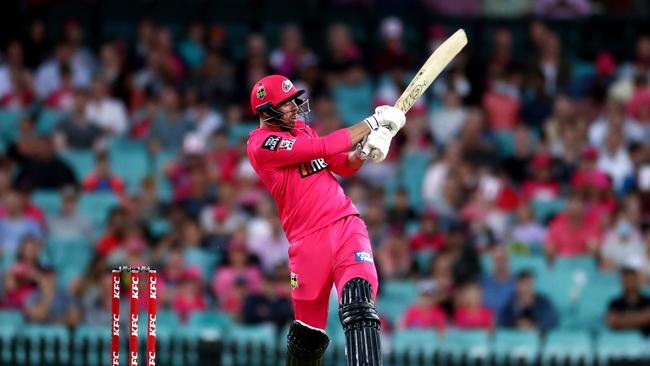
(372, 123)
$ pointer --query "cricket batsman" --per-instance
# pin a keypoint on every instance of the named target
(329, 242)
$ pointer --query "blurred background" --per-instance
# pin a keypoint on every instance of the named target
(511, 221)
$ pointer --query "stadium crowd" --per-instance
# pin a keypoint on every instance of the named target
(510, 154)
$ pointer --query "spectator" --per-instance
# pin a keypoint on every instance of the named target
(95, 292)
(614, 160)
(562, 8)
(631, 310)
(21, 277)
(272, 246)
(21, 93)
(394, 257)
(573, 232)
(556, 70)
(269, 305)
(15, 225)
(102, 179)
(291, 53)
(62, 98)
(192, 49)
(426, 313)
(622, 243)
(170, 126)
(45, 170)
(111, 70)
(106, 112)
(499, 285)
(614, 119)
(437, 174)
(51, 304)
(341, 49)
(402, 213)
(393, 53)
(447, 121)
(463, 255)
(13, 63)
(527, 309)
(502, 102)
(205, 119)
(70, 224)
(527, 234)
(76, 131)
(516, 166)
(469, 311)
(36, 45)
(541, 186)
(48, 74)
(428, 237)
(189, 298)
(238, 272)
(115, 231)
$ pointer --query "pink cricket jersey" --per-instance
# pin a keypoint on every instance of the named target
(296, 167)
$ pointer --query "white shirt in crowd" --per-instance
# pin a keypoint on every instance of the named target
(617, 165)
(108, 114)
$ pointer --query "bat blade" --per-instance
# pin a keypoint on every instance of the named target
(434, 65)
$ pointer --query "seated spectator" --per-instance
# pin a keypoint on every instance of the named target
(517, 165)
(62, 98)
(29, 208)
(502, 101)
(269, 305)
(622, 242)
(21, 95)
(51, 304)
(631, 310)
(15, 225)
(76, 131)
(573, 232)
(429, 236)
(238, 272)
(96, 292)
(499, 285)
(541, 186)
(170, 125)
(527, 309)
(115, 231)
(21, 277)
(527, 234)
(469, 311)
(69, 223)
(402, 213)
(106, 112)
(102, 179)
(465, 263)
(426, 313)
(394, 257)
(205, 120)
(189, 297)
(272, 248)
(614, 159)
(45, 170)
(446, 122)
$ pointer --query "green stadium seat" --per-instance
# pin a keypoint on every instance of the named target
(11, 321)
(404, 291)
(621, 345)
(413, 167)
(129, 160)
(512, 346)
(81, 162)
(88, 342)
(534, 263)
(505, 143)
(44, 345)
(251, 344)
(392, 309)
(9, 122)
(423, 260)
(159, 227)
(473, 345)
(212, 322)
(545, 210)
(48, 201)
(563, 345)
(240, 130)
(414, 344)
(206, 260)
(97, 205)
(63, 252)
(353, 101)
(48, 119)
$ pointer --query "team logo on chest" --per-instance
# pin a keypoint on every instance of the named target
(312, 167)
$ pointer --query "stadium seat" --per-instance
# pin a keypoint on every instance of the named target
(505, 142)
(423, 260)
(88, 342)
(414, 345)
(572, 346)
(240, 130)
(510, 346)
(206, 260)
(621, 345)
(210, 322)
(353, 101)
(48, 201)
(10, 323)
(404, 291)
(534, 263)
(9, 121)
(81, 162)
(63, 252)
(48, 119)
(393, 309)
(412, 170)
(544, 210)
(251, 344)
(130, 161)
(471, 345)
(43, 345)
(97, 205)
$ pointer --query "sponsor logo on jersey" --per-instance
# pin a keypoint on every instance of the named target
(312, 167)
(294, 280)
(286, 144)
(261, 92)
(271, 143)
(286, 86)
(363, 256)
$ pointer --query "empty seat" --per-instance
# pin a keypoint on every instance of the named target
(563, 345)
(44, 345)
(48, 201)
(251, 344)
(511, 346)
(411, 345)
(618, 345)
(473, 345)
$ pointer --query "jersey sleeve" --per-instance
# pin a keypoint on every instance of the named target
(276, 151)
(339, 164)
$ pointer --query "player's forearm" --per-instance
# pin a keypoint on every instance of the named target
(354, 161)
(358, 132)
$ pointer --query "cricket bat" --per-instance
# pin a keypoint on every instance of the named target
(434, 65)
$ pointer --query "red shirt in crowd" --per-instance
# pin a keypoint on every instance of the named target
(111, 184)
(418, 317)
(420, 241)
(481, 318)
(568, 240)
